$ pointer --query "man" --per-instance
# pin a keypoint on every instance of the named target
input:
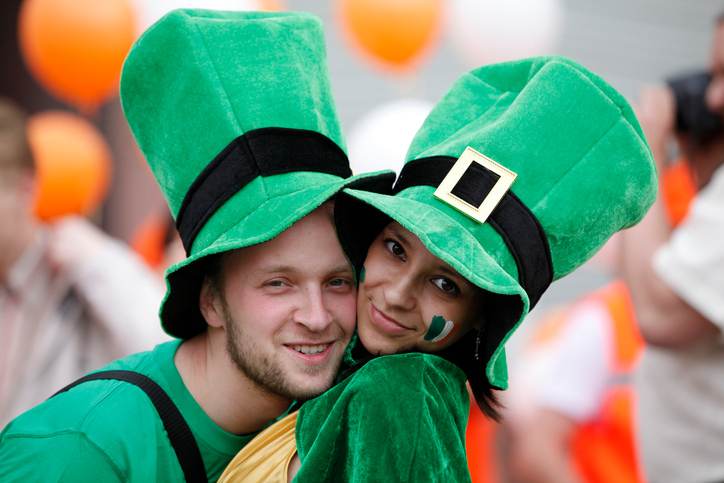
(71, 298)
(234, 114)
(676, 278)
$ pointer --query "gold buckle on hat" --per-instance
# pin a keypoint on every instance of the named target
(482, 212)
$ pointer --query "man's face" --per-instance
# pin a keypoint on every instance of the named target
(715, 92)
(289, 308)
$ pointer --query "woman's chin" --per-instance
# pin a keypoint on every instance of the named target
(378, 344)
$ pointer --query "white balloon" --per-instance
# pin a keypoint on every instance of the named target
(487, 31)
(148, 11)
(380, 139)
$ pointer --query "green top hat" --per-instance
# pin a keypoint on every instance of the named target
(234, 114)
(519, 175)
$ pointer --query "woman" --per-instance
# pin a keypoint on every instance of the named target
(516, 178)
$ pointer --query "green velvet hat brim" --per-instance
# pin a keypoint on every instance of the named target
(179, 312)
(447, 238)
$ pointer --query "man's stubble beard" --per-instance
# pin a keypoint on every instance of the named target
(259, 368)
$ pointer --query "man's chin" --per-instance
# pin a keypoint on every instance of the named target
(308, 391)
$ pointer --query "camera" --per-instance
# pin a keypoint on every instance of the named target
(693, 117)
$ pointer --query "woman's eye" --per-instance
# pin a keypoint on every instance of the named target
(395, 248)
(446, 285)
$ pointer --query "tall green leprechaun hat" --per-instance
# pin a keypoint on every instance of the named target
(234, 114)
(519, 175)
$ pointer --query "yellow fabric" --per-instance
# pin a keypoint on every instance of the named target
(266, 458)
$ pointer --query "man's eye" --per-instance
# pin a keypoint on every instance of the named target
(275, 283)
(340, 282)
(446, 285)
(394, 248)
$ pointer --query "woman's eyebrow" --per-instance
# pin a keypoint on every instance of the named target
(399, 235)
(449, 271)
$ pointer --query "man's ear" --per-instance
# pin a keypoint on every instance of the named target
(210, 304)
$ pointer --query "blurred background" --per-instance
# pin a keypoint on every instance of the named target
(390, 61)
(630, 43)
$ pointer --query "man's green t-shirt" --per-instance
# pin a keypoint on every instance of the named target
(109, 431)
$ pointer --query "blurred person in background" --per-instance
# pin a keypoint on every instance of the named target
(569, 416)
(71, 298)
(676, 278)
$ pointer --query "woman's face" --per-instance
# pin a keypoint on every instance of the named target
(404, 289)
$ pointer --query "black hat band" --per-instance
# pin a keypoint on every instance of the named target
(260, 152)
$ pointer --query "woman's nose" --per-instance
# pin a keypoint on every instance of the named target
(400, 293)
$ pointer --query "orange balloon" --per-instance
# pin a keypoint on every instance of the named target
(72, 163)
(75, 48)
(272, 5)
(395, 32)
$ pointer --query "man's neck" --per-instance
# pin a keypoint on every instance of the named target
(225, 394)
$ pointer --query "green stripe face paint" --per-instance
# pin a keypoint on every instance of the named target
(439, 329)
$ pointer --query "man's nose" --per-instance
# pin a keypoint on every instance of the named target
(313, 313)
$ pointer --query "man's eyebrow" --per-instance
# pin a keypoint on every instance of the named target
(342, 268)
(278, 269)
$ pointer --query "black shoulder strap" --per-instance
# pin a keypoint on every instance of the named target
(179, 433)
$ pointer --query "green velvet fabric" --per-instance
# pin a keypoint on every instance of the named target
(583, 168)
(198, 79)
(398, 418)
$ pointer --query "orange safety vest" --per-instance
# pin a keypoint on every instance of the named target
(479, 445)
(603, 448)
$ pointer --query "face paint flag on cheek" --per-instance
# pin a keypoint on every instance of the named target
(439, 329)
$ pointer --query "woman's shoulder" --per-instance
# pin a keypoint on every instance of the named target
(418, 377)
(381, 402)
(410, 368)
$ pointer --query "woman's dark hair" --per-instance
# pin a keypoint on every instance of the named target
(488, 401)
(469, 355)
(473, 352)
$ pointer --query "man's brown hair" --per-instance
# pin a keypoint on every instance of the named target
(15, 151)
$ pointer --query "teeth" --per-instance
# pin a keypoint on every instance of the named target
(310, 349)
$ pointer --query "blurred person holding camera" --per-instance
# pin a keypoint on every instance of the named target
(676, 279)
(71, 298)
(569, 417)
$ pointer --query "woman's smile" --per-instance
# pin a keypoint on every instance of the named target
(386, 323)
